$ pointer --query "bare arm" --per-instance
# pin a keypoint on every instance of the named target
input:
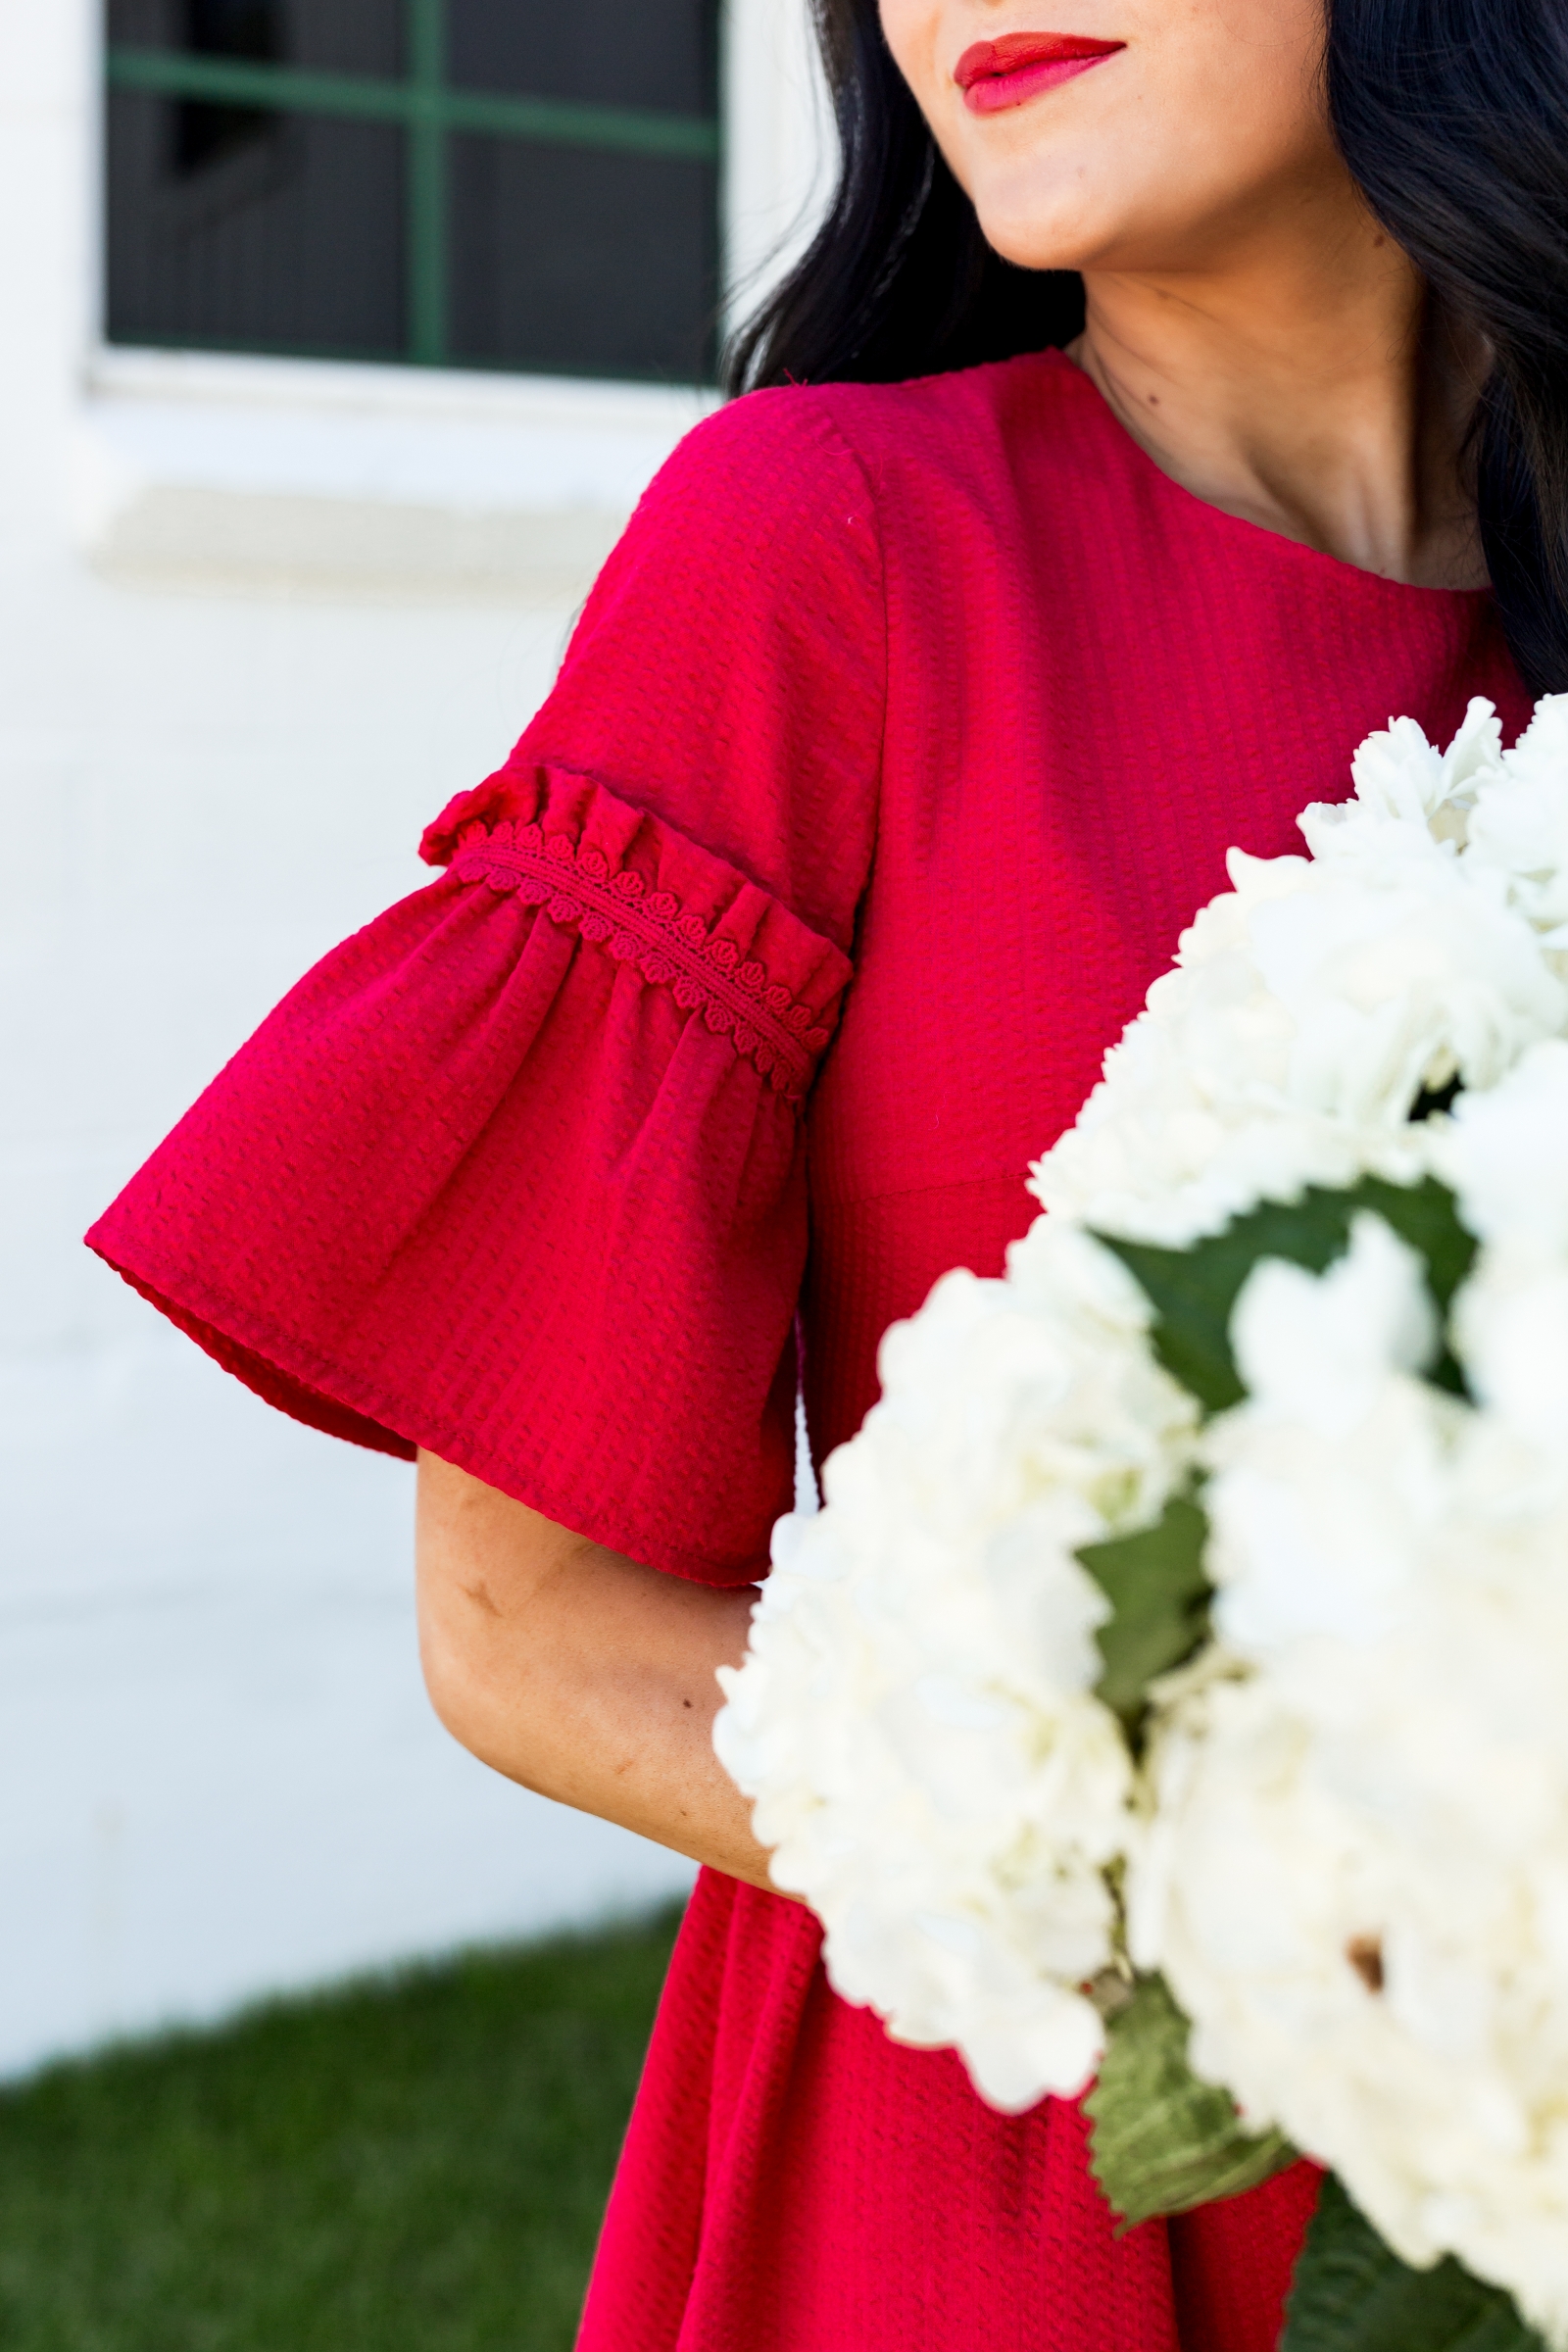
(578, 1673)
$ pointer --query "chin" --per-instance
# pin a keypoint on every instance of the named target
(1044, 211)
(1040, 236)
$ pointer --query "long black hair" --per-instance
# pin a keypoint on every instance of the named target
(1452, 117)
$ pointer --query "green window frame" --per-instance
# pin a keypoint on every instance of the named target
(426, 105)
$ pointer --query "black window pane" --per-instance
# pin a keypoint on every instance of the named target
(661, 54)
(238, 223)
(582, 263)
(340, 36)
(287, 238)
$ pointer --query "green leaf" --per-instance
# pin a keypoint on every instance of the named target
(1194, 1291)
(1425, 1215)
(1351, 2293)
(1157, 1587)
(1162, 2142)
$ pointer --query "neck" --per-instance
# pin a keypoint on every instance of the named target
(1305, 386)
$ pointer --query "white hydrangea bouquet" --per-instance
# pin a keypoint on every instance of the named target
(1174, 1686)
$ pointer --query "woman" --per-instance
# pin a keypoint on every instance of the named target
(900, 738)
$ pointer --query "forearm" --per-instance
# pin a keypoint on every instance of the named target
(580, 1674)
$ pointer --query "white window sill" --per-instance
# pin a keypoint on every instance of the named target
(258, 476)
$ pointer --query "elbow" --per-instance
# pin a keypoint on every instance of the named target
(469, 1654)
(455, 1658)
(479, 1680)
(484, 1564)
(460, 1556)
(497, 1662)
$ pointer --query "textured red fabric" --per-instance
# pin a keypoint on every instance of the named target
(947, 680)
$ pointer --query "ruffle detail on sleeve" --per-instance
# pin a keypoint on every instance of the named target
(627, 883)
(517, 1175)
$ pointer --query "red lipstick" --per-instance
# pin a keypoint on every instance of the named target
(994, 74)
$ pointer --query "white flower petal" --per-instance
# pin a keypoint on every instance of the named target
(915, 1716)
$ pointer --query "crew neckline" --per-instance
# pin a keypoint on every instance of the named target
(1058, 363)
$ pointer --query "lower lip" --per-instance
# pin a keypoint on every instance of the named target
(996, 92)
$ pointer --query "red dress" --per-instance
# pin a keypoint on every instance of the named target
(899, 740)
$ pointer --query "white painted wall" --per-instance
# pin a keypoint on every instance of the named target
(256, 623)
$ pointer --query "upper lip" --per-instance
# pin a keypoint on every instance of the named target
(986, 60)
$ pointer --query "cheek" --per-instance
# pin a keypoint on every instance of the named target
(1241, 107)
(912, 31)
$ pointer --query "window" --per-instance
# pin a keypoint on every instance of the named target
(524, 184)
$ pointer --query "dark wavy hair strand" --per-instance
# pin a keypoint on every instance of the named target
(898, 280)
(1452, 116)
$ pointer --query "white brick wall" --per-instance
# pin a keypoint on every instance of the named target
(222, 727)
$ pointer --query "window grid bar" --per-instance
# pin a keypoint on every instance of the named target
(426, 223)
(290, 89)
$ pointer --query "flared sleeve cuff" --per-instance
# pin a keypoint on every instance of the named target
(517, 1175)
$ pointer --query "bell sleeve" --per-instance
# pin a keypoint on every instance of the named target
(517, 1173)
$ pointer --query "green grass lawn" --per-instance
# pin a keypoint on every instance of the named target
(417, 2164)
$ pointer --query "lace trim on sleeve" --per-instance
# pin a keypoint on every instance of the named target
(668, 943)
